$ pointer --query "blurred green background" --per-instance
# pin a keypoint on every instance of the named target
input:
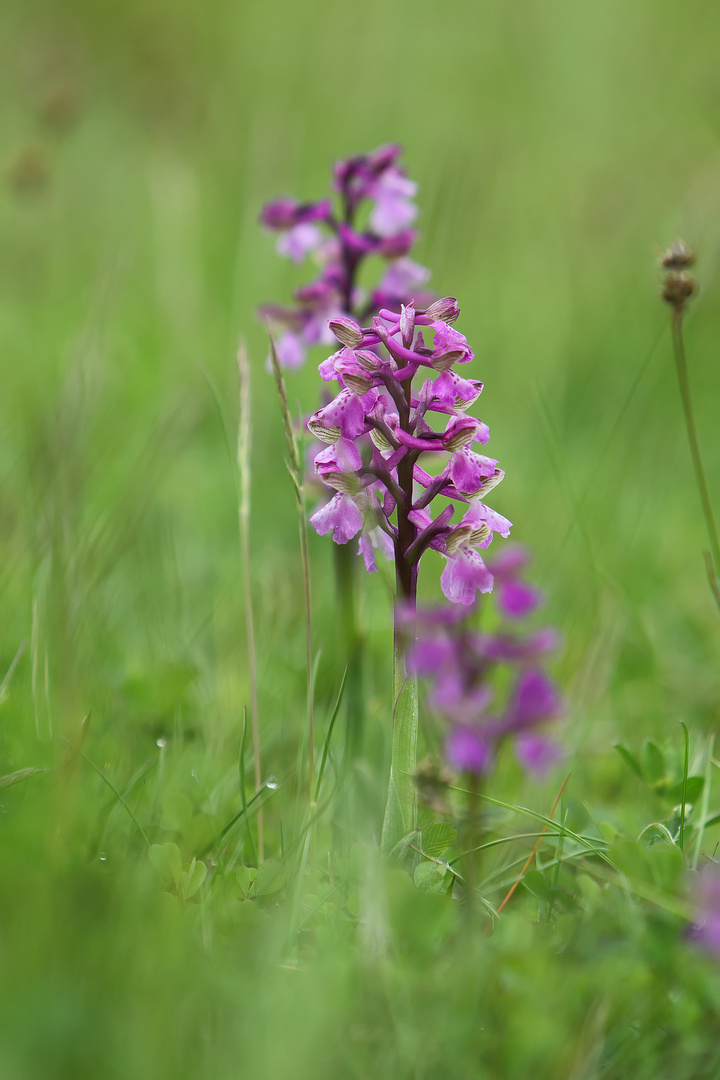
(558, 146)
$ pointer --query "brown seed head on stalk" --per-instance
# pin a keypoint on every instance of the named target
(677, 257)
(679, 285)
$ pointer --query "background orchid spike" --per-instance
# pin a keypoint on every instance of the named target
(372, 186)
(462, 665)
(377, 429)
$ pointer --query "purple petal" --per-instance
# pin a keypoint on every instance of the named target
(516, 599)
(365, 549)
(536, 754)
(340, 515)
(467, 749)
(431, 656)
(401, 277)
(534, 700)
(480, 514)
(290, 351)
(463, 576)
(468, 470)
(299, 241)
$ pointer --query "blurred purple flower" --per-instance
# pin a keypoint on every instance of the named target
(465, 668)
(706, 929)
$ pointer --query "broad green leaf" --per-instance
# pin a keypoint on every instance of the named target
(653, 762)
(429, 877)
(177, 811)
(193, 878)
(244, 876)
(695, 785)
(657, 833)
(630, 858)
(438, 838)
(269, 879)
(667, 864)
(167, 861)
(630, 759)
(538, 885)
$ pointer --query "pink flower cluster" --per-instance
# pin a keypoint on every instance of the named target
(384, 433)
(461, 664)
(369, 185)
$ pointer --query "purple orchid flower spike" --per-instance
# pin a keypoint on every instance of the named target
(382, 424)
(328, 233)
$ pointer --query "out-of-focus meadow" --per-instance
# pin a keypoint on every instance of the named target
(557, 147)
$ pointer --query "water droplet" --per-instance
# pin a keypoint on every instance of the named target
(194, 774)
(272, 783)
(102, 857)
(162, 743)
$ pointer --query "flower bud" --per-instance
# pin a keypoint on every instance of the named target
(407, 323)
(347, 331)
(446, 310)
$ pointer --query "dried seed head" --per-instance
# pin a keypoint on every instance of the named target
(678, 287)
(677, 257)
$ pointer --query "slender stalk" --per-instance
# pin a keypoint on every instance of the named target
(472, 840)
(305, 557)
(681, 366)
(401, 811)
(295, 469)
(244, 478)
(345, 576)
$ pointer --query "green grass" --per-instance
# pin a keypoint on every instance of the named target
(557, 146)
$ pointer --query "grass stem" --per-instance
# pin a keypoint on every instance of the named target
(295, 469)
(681, 366)
(244, 482)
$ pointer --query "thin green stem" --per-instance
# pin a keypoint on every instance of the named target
(244, 481)
(681, 365)
(295, 470)
(345, 578)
